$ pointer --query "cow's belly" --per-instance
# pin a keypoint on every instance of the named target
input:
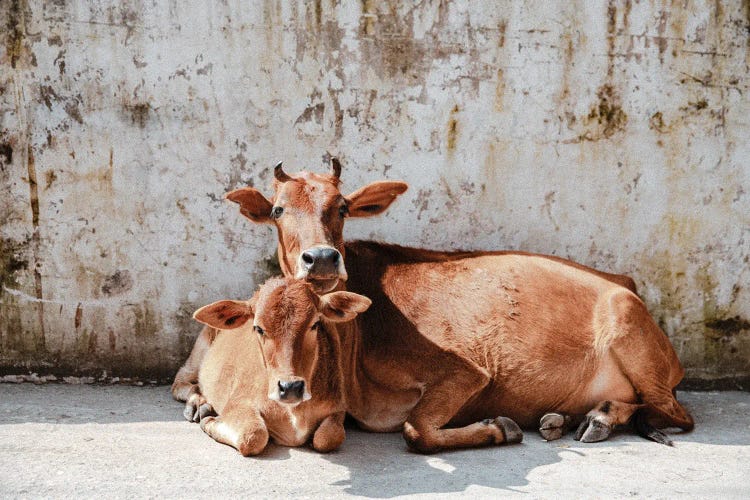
(608, 383)
(387, 413)
(383, 421)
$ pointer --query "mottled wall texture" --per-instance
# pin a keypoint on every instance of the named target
(612, 133)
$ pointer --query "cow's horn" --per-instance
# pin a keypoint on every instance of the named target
(279, 173)
(335, 167)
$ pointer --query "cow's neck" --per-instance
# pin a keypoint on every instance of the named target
(376, 405)
(285, 263)
(327, 378)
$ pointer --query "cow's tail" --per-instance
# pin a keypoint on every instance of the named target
(643, 428)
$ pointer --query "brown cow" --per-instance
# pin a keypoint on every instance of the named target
(275, 375)
(539, 339)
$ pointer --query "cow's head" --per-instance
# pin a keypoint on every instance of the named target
(288, 320)
(308, 211)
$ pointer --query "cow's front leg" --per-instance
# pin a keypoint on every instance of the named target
(242, 429)
(197, 407)
(424, 432)
(185, 385)
(330, 433)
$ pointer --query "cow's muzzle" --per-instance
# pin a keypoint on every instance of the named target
(291, 392)
(322, 266)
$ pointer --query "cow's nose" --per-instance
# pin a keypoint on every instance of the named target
(321, 260)
(291, 390)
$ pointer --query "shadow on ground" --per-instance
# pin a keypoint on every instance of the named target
(137, 439)
(79, 404)
(384, 468)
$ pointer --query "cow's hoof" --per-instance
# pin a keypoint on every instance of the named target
(207, 422)
(552, 426)
(510, 430)
(593, 430)
(205, 410)
(189, 411)
(197, 408)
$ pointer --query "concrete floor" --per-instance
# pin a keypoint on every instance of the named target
(116, 441)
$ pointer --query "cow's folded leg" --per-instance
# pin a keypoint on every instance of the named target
(185, 385)
(243, 430)
(599, 422)
(197, 408)
(424, 432)
(553, 425)
(330, 433)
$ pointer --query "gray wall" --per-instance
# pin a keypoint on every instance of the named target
(612, 133)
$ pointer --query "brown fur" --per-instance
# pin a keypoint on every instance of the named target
(243, 367)
(457, 337)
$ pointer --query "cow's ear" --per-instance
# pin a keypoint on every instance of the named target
(225, 314)
(253, 204)
(374, 198)
(343, 306)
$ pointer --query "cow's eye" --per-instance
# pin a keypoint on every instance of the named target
(343, 211)
(259, 330)
(276, 212)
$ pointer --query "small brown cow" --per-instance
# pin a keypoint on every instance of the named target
(453, 338)
(272, 372)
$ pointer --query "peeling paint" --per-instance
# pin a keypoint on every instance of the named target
(604, 119)
(613, 133)
(118, 283)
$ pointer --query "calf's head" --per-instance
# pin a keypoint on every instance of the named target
(288, 319)
(308, 211)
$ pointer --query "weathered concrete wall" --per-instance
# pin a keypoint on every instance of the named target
(613, 133)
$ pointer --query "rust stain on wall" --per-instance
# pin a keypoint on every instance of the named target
(547, 116)
(605, 119)
(36, 242)
(138, 112)
(15, 46)
(499, 90)
(118, 283)
(452, 129)
(33, 189)
(501, 28)
(78, 316)
(656, 122)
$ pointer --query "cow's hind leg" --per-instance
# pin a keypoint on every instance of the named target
(242, 429)
(424, 432)
(185, 385)
(598, 424)
(553, 425)
(649, 362)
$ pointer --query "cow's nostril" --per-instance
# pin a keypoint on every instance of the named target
(291, 390)
(308, 259)
(329, 255)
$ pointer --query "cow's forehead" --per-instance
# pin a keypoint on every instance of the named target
(285, 305)
(308, 191)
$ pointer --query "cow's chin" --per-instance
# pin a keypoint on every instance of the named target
(274, 396)
(322, 285)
